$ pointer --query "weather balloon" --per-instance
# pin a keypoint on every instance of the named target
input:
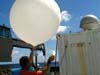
(35, 21)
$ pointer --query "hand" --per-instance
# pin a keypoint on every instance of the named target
(33, 48)
(51, 58)
(39, 47)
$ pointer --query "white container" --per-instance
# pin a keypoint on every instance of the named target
(79, 53)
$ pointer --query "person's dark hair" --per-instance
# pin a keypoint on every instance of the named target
(24, 61)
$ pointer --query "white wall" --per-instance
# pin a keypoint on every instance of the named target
(82, 54)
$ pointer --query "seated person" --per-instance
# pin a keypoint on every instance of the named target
(27, 62)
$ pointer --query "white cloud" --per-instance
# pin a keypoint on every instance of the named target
(60, 30)
(16, 57)
(15, 52)
(65, 16)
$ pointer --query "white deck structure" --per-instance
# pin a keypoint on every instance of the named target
(79, 53)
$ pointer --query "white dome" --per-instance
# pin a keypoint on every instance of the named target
(89, 22)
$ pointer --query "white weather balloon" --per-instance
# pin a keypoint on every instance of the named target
(35, 21)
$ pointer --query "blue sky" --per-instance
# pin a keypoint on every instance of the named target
(72, 11)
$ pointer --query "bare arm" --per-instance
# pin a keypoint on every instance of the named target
(46, 67)
(31, 56)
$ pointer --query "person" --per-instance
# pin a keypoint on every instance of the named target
(27, 62)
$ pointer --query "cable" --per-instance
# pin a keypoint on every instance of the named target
(56, 51)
